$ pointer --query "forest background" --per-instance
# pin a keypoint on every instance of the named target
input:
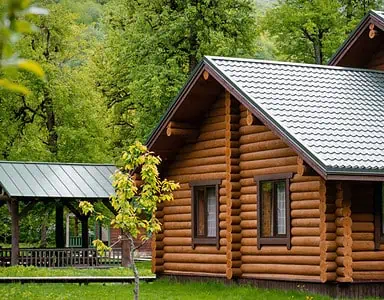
(113, 66)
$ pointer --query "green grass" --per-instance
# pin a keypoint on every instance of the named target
(144, 270)
(160, 289)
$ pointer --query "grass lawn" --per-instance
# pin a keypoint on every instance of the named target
(144, 270)
(160, 289)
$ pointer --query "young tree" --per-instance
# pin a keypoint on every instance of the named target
(135, 202)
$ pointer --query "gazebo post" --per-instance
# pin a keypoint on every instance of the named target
(13, 207)
(84, 232)
(59, 225)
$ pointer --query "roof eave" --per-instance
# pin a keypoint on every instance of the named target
(370, 16)
(175, 104)
(355, 174)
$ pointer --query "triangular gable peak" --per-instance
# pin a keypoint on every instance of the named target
(364, 48)
(313, 109)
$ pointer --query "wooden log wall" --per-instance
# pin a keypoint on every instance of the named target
(204, 159)
(262, 152)
(343, 224)
(367, 263)
(232, 186)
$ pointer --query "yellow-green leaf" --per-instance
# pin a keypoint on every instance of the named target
(14, 87)
(31, 66)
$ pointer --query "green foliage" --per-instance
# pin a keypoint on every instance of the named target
(152, 46)
(13, 25)
(160, 289)
(311, 31)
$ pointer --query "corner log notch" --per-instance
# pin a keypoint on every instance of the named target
(303, 169)
(185, 130)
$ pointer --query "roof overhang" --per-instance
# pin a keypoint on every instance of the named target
(358, 38)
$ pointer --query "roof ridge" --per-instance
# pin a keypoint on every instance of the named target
(275, 62)
(54, 163)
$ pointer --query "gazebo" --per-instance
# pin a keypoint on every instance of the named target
(64, 183)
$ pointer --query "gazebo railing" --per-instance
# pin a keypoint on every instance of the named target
(64, 257)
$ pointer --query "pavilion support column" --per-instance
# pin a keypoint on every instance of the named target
(13, 207)
(60, 226)
(84, 232)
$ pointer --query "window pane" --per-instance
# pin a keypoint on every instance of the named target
(281, 209)
(267, 209)
(200, 212)
(212, 212)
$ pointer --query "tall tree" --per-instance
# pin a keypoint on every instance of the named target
(64, 118)
(152, 47)
(306, 31)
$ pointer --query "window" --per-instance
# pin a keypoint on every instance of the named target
(273, 205)
(205, 213)
(379, 215)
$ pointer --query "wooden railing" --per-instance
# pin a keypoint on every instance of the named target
(65, 257)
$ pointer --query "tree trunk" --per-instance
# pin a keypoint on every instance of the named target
(50, 123)
(13, 207)
(125, 251)
(136, 290)
(318, 51)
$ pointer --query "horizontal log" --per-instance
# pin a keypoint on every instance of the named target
(290, 277)
(279, 250)
(170, 210)
(308, 186)
(216, 112)
(268, 163)
(178, 233)
(177, 241)
(368, 265)
(305, 222)
(305, 196)
(363, 227)
(249, 190)
(249, 233)
(198, 249)
(179, 202)
(362, 217)
(248, 199)
(264, 171)
(305, 231)
(266, 154)
(281, 269)
(245, 129)
(194, 162)
(363, 246)
(202, 153)
(196, 267)
(213, 126)
(179, 194)
(262, 146)
(371, 275)
(257, 137)
(194, 177)
(247, 215)
(305, 241)
(249, 207)
(305, 204)
(281, 259)
(197, 170)
(195, 258)
(177, 225)
(305, 213)
(249, 224)
(182, 132)
(368, 256)
(178, 218)
(363, 236)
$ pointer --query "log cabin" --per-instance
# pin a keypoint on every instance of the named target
(281, 168)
